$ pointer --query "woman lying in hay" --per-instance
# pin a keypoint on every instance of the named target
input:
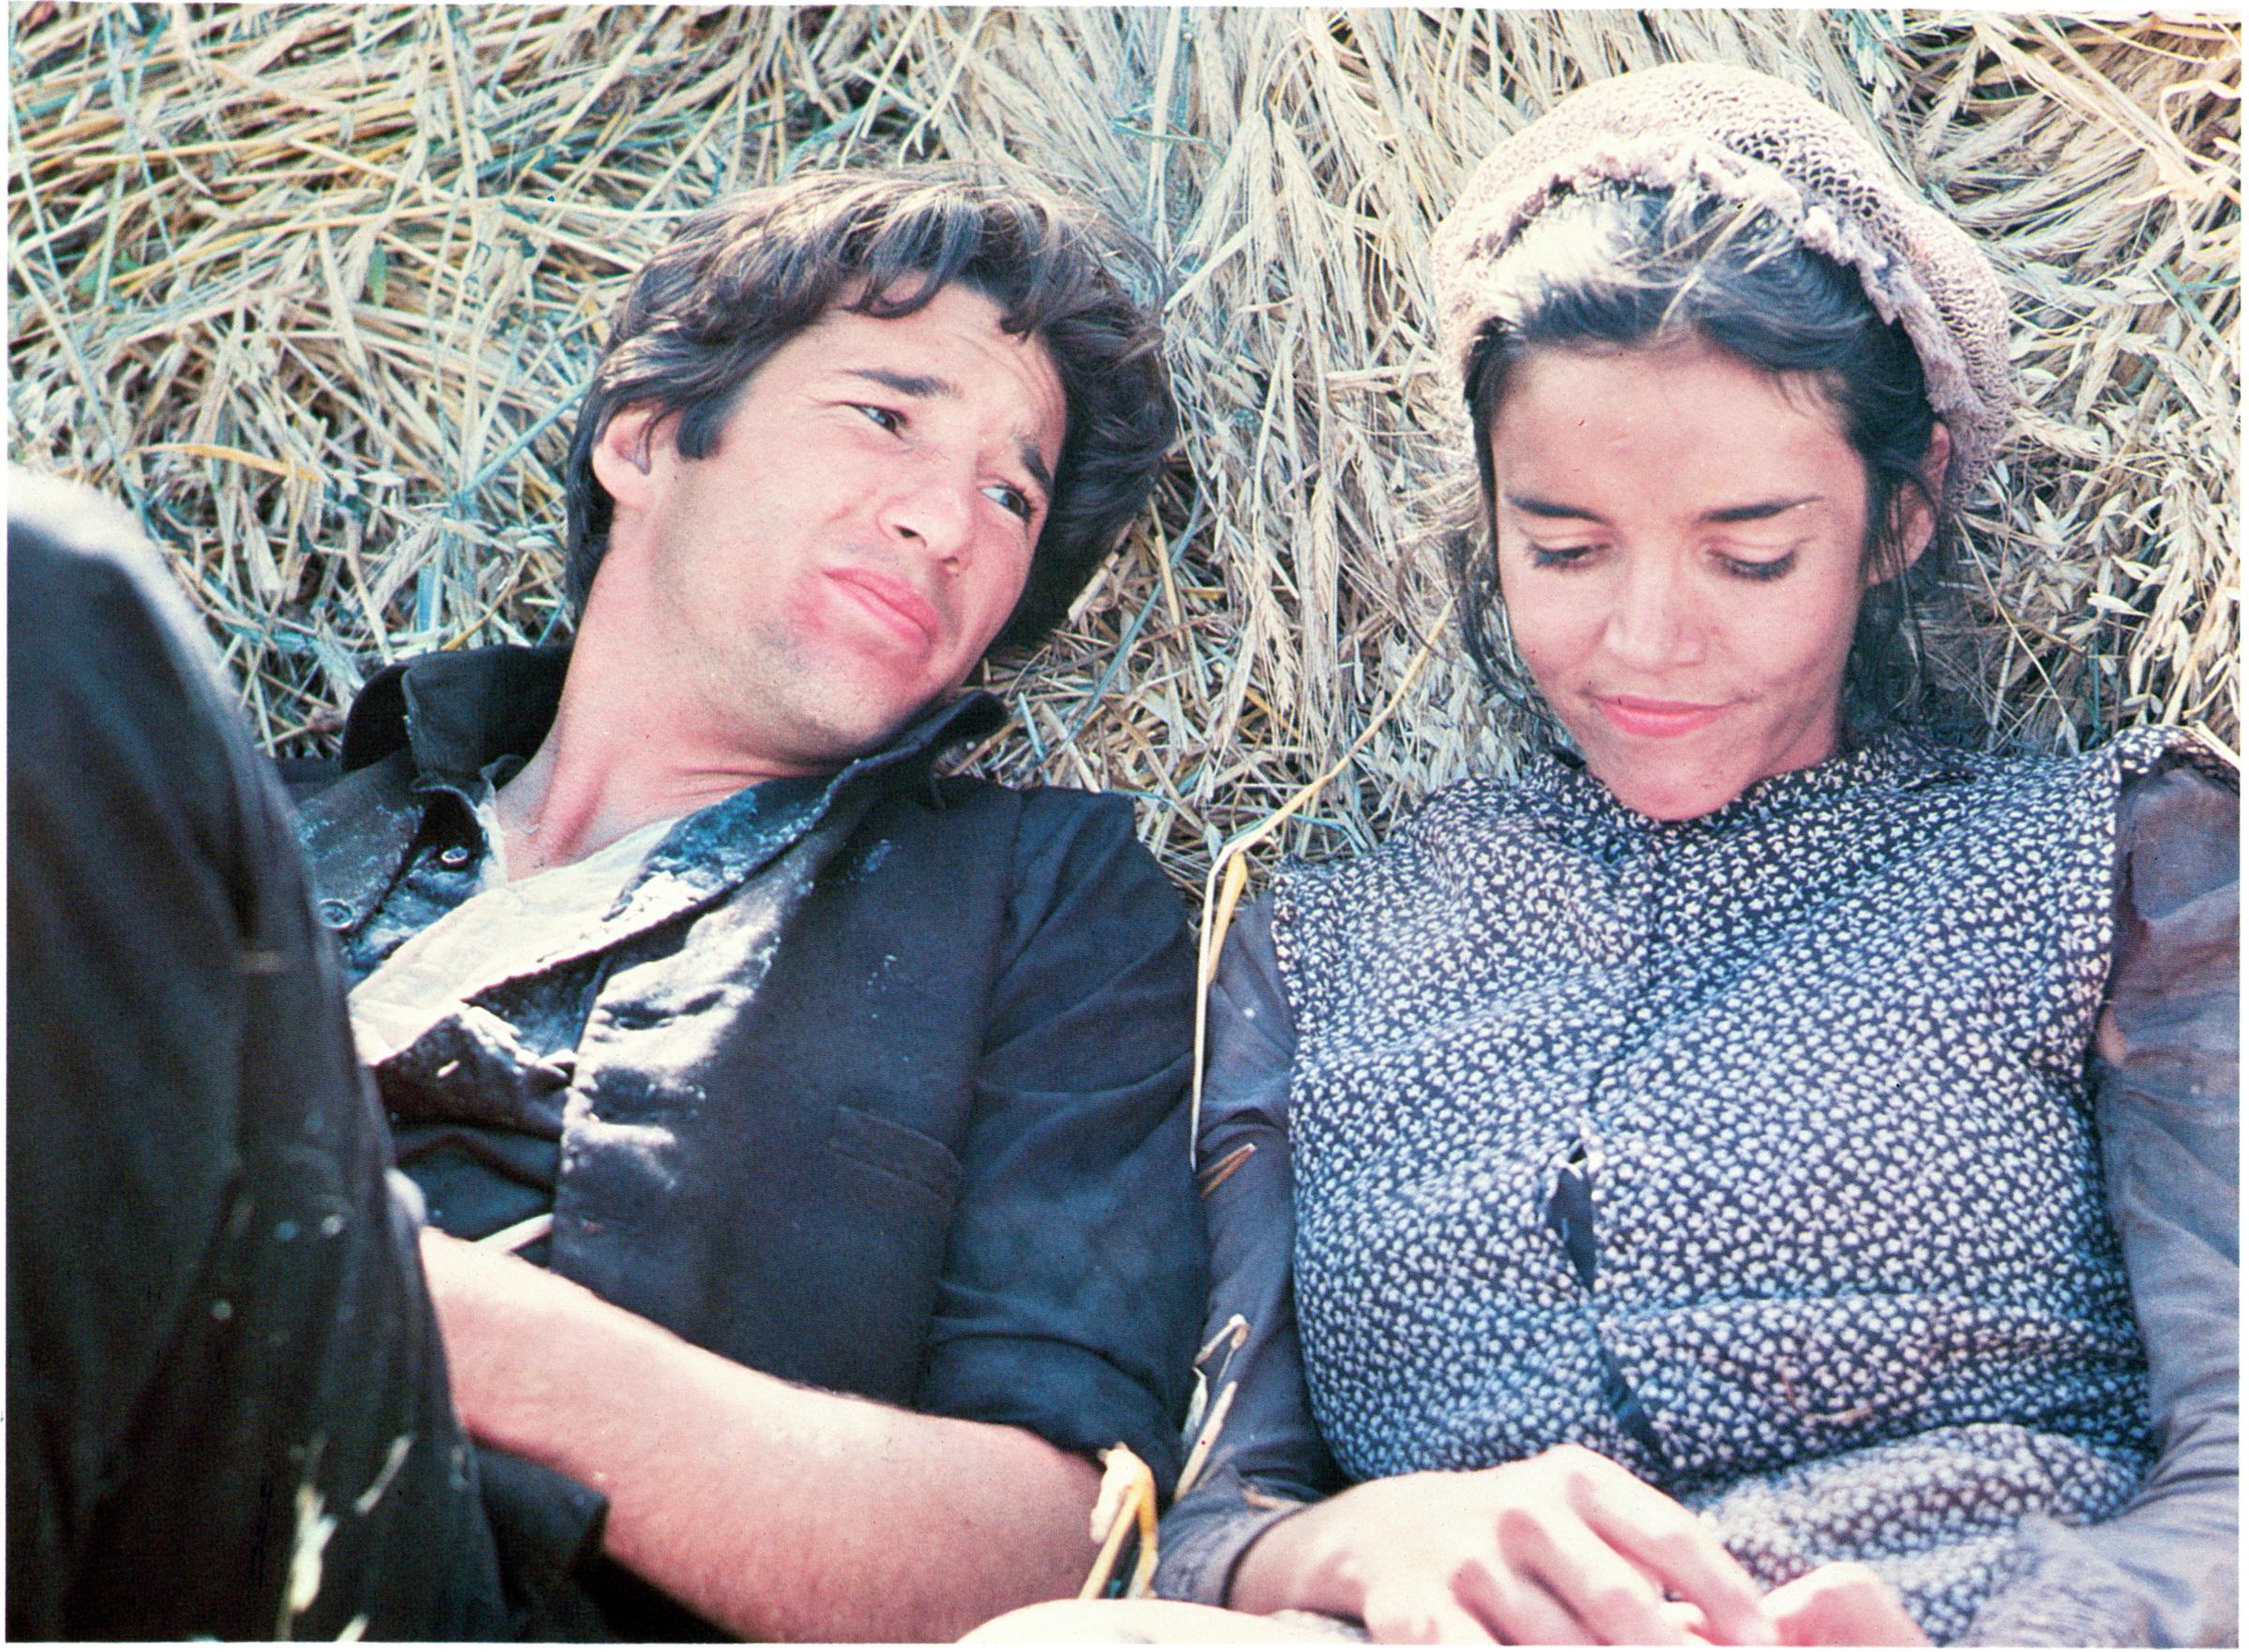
(1769, 1173)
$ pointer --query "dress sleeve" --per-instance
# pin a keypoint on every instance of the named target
(2165, 1102)
(1074, 1273)
(1258, 1456)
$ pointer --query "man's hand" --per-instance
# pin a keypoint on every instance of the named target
(1563, 1548)
(778, 1512)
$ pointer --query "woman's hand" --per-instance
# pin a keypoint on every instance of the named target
(1566, 1547)
(1834, 1605)
(1842, 1605)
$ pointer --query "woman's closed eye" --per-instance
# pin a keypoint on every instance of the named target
(1560, 556)
(1759, 567)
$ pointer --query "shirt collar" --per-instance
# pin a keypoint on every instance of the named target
(1896, 759)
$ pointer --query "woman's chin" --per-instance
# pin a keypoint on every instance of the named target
(1669, 797)
(1683, 779)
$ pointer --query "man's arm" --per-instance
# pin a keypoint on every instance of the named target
(778, 1512)
(1064, 1319)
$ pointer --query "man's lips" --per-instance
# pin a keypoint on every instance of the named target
(897, 605)
(1634, 714)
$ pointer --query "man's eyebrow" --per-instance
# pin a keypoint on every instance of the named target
(1028, 455)
(923, 385)
(913, 384)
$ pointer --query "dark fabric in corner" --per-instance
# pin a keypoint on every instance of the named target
(219, 1337)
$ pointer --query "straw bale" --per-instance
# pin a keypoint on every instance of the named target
(315, 289)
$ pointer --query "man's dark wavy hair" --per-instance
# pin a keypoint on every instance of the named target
(740, 279)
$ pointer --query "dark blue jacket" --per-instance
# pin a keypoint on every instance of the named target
(891, 1104)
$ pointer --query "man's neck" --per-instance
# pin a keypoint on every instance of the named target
(624, 751)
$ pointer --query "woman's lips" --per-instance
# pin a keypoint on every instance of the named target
(1655, 719)
(897, 605)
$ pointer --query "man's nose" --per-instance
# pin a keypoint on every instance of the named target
(1653, 624)
(934, 508)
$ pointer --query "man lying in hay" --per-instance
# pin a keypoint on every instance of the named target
(833, 1111)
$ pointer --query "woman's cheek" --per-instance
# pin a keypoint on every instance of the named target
(1567, 627)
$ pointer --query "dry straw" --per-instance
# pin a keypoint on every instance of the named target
(314, 289)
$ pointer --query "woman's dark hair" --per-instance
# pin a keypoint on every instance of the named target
(738, 281)
(1618, 266)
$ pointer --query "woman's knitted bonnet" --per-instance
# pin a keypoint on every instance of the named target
(1753, 139)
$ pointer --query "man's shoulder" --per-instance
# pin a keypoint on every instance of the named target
(1032, 816)
(456, 708)
(353, 829)
(949, 792)
(1051, 837)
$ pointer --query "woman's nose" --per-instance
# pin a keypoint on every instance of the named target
(1653, 624)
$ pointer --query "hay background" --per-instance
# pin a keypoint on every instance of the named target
(315, 289)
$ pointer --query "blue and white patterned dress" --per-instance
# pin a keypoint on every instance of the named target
(1753, 1151)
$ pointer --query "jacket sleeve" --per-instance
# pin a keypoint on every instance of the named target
(1073, 1270)
(2165, 1102)
(1256, 1455)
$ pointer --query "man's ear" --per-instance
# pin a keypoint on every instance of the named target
(1916, 509)
(624, 455)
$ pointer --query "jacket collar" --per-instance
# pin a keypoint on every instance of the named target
(435, 721)
(455, 712)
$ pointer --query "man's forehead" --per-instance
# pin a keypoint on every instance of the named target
(956, 307)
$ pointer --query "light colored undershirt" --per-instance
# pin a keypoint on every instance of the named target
(529, 917)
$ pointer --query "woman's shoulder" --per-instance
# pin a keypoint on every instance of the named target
(2155, 805)
(1477, 804)
(2178, 819)
(2126, 765)
(1468, 811)
(2181, 757)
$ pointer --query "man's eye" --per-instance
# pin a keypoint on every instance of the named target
(885, 417)
(1011, 499)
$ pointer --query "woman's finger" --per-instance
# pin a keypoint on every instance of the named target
(1520, 1609)
(1843, 1605)
(1601, 1588)
(1422, 1614)
(1674, 1546)
(1691, 1621)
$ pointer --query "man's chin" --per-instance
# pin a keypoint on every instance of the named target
(842, 735)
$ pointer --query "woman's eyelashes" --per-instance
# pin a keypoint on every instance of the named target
(888, 418)
(1579, 556)
(1759, 568)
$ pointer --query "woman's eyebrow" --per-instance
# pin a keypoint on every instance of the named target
(1761, 510)
(1756, 511)
(1531, 505)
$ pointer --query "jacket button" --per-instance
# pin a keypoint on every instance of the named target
(336, 915)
